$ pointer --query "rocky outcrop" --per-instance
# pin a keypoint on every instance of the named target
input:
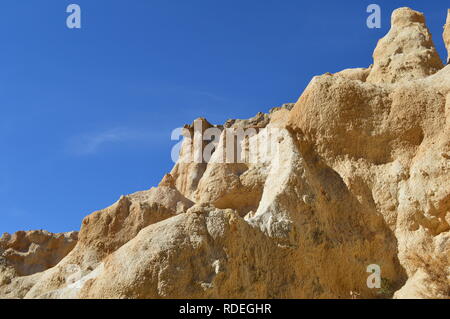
(354, 174)
(407, 52)
(190, 166)
(27, 253)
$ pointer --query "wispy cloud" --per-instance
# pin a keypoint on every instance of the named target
(209, 95)
(91, 143)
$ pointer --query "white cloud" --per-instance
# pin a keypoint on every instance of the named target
(91, 143)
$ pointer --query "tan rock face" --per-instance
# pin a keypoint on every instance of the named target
(108, 229)
(407, 52)
(27, 253)
(190, 167)
(357, 174)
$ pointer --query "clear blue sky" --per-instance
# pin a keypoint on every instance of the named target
(86, 115)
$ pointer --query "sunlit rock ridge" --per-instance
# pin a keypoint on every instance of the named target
(360, 176)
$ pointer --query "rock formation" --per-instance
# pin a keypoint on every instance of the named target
(407, 52)
(27, 253)
(355, 173)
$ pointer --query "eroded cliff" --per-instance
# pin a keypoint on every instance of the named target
(357, 173)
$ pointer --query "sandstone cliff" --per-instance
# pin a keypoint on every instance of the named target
(357, 173)
(28, 253)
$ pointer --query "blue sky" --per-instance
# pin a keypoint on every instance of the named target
(86, 115)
